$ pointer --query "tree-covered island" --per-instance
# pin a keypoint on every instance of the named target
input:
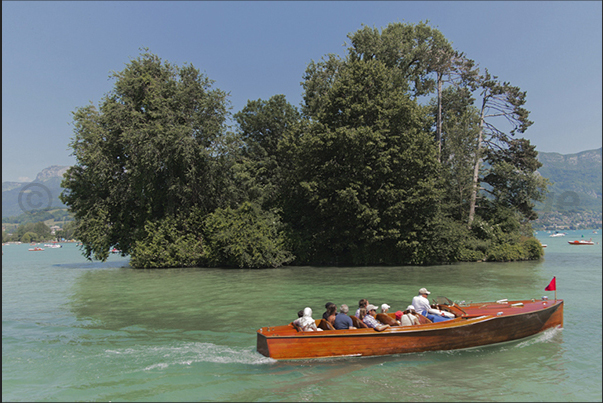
(402, 152)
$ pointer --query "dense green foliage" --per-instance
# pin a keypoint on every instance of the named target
(245, 237)
(29, 232)
(361, 182)
(68, 230)
(170, 242)
(150, 151)
(362, 174)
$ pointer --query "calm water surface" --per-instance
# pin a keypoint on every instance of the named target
(79, 331)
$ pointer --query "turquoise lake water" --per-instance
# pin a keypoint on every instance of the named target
(74, 330)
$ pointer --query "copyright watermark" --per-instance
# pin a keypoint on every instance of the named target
(34, 196)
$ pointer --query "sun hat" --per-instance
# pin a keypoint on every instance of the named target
(371, 307)
(424, 291)
(398, 314)
(384, 307)
(410, 308)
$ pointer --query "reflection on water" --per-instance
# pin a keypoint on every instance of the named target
(223, 300)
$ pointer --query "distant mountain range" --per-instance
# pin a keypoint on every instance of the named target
(576, 181)
(576, 185)
(43, 192)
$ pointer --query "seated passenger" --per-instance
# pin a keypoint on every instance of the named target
(326, 313)
(342, 320)
(385, 308)
(361, 304)
(361, 313)
(408, 317)
(330, 314)
(306, 323)
(370, 320)
(421, 303)
(398, 315)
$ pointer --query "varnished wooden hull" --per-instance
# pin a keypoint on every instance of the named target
(480, 324)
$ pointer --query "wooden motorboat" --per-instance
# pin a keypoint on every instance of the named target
(475, 324)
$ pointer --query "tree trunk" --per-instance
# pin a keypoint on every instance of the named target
(439, 121)
(478, 161)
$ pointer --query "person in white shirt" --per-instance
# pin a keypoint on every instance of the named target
(306, 323)
(421, 304)
(408, 317)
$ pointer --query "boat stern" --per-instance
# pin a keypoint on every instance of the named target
(262, 343)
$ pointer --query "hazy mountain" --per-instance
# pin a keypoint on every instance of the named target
(576, 181)
(19, 197)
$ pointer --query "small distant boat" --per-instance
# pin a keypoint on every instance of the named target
(115, 250)
(53, 245)
(36, 249)
(556, 234)
(543, 245)
(582, 242)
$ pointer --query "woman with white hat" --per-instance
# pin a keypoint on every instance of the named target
(306, 323)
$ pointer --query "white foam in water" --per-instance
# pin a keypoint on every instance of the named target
(209, 352)
(160, 366)
(190, 353)
(543, 337)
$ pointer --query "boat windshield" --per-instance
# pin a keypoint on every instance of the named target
(443, 301)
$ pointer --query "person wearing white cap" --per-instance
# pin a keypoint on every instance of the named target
(421, 304)
(384, 308)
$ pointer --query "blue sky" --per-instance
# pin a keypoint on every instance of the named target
(57, 56)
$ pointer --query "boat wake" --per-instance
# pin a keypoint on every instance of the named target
(544, 337)
(209, 352)
(159, 358)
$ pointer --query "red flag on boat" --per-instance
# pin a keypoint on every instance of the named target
(552, 285)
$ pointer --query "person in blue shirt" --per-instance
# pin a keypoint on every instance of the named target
(342, 320)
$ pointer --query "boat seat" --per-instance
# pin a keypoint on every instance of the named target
(358, 324)
(325, 325)
(422, 319)
(386, 319)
